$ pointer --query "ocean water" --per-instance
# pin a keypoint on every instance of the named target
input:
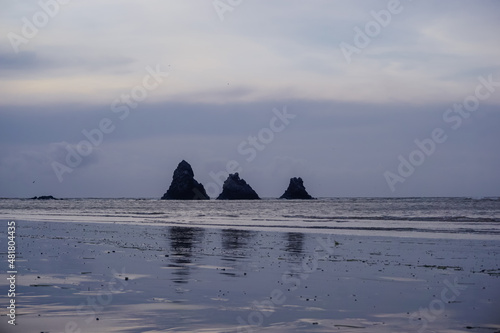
(340, 264)
(477, 218)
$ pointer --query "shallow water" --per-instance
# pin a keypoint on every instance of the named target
(459, 218)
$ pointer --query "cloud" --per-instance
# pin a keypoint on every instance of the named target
(32, 64)
(24, 60)
(421, 56)
(225, 77)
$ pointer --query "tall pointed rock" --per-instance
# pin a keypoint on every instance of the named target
(235, 188)
(296, 190)
(184, 186)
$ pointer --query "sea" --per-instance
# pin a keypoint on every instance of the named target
(441, 217)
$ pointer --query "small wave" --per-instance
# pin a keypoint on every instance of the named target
(396, 218)
(360, 228)
(484, 198)
(139, 213)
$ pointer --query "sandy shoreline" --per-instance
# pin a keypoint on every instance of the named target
(91, 277)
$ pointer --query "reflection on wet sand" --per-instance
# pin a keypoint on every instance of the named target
(235, 248)
(234, 240)
(295, 243)
(372, 284)
(183, 240)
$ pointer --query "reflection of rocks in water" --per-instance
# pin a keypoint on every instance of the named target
(295, 243)
(182, 242)
(233, 239)
(235, 248)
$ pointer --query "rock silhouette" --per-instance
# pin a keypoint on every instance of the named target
(296, 190)
(184, 186)
(44, 197)
(235, 188)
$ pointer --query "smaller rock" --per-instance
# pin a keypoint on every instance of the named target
(296, 190)
(44, 197)
(235, 188)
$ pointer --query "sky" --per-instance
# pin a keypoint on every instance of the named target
(359, 98)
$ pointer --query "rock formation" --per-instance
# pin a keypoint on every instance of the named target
(184, 186)
(45, 197)
(235, 188)
(296, 190)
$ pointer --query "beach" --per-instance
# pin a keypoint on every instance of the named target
(125, 277)
(233, 166)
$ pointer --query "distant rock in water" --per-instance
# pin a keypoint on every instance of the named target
(235, 188)
(296, 190)
(184, 186)
(44, 197)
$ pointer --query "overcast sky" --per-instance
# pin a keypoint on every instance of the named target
(336, 92)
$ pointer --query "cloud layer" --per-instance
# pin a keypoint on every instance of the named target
(354, 119)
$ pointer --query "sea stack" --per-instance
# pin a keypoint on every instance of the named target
(184, 186)
(235, 188)
(44, 197)
(296, 190)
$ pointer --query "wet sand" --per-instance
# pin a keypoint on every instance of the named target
(92, 277)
